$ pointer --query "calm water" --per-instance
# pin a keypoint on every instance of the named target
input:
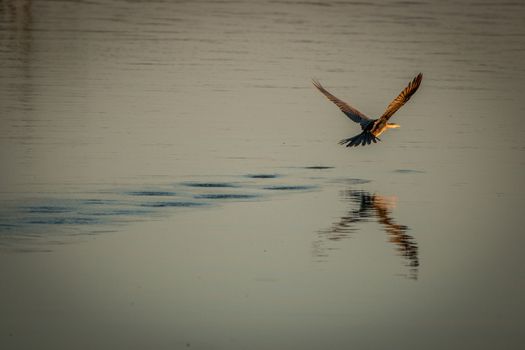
(171, 179)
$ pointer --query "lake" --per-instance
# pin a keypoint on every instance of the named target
(171, 178)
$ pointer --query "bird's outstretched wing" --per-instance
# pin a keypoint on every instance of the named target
(350, 112)
(402, 98)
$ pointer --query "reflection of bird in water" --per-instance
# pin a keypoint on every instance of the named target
(373, 206)
(372, 128)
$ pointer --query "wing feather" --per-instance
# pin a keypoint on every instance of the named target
(402, 98)
(350, 112)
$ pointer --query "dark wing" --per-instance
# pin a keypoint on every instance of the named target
(403, 97)
(350, 112)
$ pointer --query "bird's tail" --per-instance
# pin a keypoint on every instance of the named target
(364, 138)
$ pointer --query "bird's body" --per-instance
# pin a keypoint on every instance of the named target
(372, 128)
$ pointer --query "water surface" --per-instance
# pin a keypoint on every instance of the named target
(171, 179)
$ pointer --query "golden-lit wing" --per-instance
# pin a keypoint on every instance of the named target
(403, 97)
(350, 112)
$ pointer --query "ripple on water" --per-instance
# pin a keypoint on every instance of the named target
(63, 221)
(290, 187)
(319, 167)
(58, 215)
(7, 227)
(152, 193)
(210, 184)
(226, 196)
(121, 212)
(48, 209)
(263, 176)
(175, 204)
(99, 201)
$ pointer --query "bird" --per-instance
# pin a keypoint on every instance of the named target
(372, 128)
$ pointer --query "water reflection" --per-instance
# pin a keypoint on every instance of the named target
(367, 207)
(17, 19)
(19, 12)
(17, 44)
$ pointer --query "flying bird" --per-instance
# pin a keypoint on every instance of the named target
(372, 128)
